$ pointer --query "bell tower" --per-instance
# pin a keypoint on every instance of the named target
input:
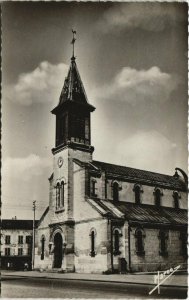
(73, 126)
(72, 141)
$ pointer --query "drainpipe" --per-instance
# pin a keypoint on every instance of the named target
(129, 247)
(111, 241)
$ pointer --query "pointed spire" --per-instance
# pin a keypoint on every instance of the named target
(73, 89)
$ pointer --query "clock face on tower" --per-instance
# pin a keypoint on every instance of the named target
(60, 161)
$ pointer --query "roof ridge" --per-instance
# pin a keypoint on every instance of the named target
(132, 168)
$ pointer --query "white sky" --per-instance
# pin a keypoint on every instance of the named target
(132, 58)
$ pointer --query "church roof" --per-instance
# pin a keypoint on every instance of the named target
(44, 214)
(137, 175)
(141, 213)
(142, 176)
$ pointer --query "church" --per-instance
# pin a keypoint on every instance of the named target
(101, 217)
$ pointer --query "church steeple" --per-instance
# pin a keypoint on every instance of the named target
(73, 89)
(73, 110)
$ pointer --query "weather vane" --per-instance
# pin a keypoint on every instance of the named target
(73, 40)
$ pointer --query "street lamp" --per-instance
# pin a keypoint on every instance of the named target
(33, 240)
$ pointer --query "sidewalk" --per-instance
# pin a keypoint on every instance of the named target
(180, 280)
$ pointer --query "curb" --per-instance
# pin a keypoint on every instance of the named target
(96, 280)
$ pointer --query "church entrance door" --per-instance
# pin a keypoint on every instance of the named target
(57, 250)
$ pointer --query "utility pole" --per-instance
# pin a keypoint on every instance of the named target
(33, 236)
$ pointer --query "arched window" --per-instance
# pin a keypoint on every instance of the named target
(59, 195)
(163, 236)
(157, 194)
(115, 191)
(176, 199)
(42, 247)
(116, 242)
(137, 191)
(139, 236)
(92, 241)
(62, 194)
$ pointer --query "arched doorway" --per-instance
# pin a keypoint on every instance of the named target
(57, 250)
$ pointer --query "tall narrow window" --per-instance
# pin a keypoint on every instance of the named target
(163, 236)
(57, 131)
(42, 248)
(115, 191)
(176, 199)
(157, 194)
(62, 194)
(116, 242)
(57, 196)
(7, 239)
(137, 191)
(92, 240)
(61, 128)
(139, 236)
(87, 131)
(184, 240)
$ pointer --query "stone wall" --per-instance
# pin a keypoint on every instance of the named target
(127, 194)
(84, 262)
(152, 260)
(43, 231)
(81, 208)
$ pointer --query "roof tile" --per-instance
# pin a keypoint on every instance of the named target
(144, 212)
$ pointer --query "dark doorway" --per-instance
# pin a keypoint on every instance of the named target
(57, 250)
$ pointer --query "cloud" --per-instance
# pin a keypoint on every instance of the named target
(147, 16)
(135, 86)
(24, 169)
(24, 180)
(42, 85)
(148, 150)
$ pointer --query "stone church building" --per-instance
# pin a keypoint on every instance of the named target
(104, 217)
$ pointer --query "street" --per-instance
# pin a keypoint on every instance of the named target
(20, 287)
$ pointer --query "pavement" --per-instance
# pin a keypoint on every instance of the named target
(179, 279)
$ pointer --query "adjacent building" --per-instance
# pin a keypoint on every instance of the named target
(104, 217)
(16, 243)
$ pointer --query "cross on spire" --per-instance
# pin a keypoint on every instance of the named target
(73, 41)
